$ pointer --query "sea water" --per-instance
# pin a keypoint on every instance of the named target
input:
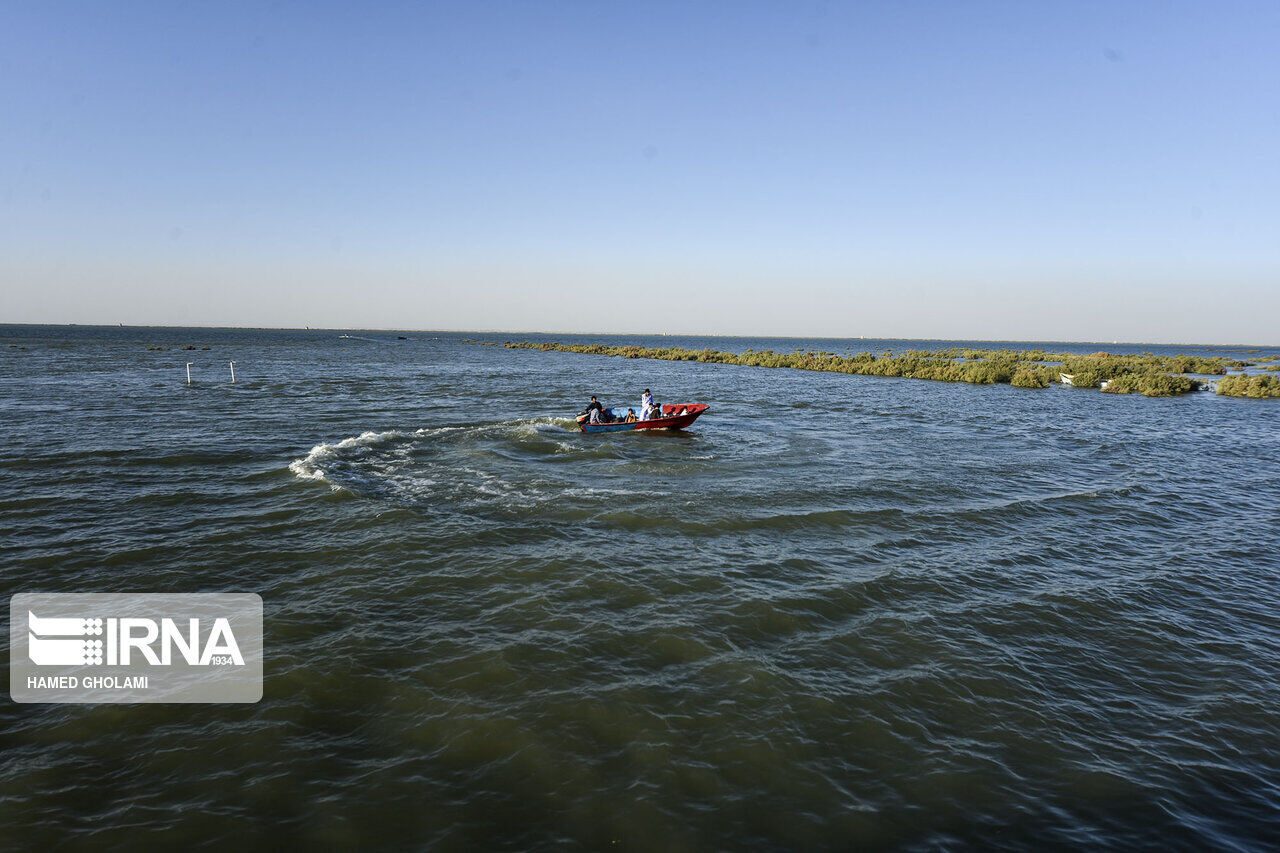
(838, 612)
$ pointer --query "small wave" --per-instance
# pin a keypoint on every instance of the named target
(406, 465)
(309, 466)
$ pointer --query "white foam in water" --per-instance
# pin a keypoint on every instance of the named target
(305, 469)
(392, 471)
(308, 467)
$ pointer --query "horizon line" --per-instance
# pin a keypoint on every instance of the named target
(635, 334)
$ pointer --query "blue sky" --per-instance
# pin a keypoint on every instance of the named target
(1081, 171)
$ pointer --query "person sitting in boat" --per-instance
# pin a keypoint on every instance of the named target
(631, 416)
(649, 409)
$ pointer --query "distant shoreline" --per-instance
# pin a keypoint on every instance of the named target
(1080, 342)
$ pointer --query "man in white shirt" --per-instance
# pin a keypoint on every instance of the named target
(646, 406)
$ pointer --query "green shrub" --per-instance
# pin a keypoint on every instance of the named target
(1257, 387)
(1126, 383)
(1024, 368)
(1165, 385)
(1085, 377)
(1026, 378)
(1151, 384)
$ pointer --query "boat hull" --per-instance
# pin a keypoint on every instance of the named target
(676, 416)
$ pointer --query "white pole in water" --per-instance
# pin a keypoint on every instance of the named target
(233, 371)
(189, 363)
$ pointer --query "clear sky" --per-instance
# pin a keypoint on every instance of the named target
(1022, 170)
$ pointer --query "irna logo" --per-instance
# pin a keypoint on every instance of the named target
(63, 641)
(94, 647)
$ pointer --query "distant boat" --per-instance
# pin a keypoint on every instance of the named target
(1065, 378)
(674, 416)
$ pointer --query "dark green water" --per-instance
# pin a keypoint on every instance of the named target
(842, 612)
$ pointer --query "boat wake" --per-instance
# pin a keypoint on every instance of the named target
(518, 463)
(311, 466)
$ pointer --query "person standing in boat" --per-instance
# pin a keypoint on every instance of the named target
(595, 411)
(646, 406)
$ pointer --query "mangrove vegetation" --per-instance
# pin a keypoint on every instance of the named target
(1146, 374)
(1257, 386)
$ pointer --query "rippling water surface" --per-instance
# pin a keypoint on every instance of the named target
(841, 612)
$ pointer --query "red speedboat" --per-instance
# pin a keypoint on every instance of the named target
(674, 416)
